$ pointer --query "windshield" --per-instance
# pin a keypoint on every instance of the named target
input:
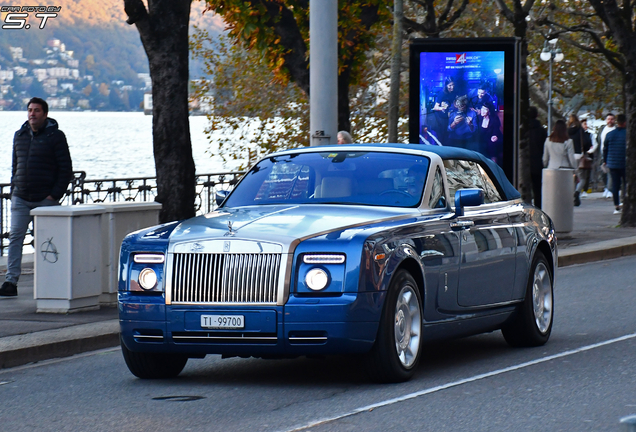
(347, 177)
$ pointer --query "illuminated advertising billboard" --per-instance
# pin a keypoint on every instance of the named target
(462, 94)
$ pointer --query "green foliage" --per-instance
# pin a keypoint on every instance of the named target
(253, 25)
(251, 77)
(252, 112)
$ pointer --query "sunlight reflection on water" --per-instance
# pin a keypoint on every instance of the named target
(108, 144)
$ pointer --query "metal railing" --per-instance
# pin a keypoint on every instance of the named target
(139, 189)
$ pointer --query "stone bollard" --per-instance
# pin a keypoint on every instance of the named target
(68, 258)
(557, 190)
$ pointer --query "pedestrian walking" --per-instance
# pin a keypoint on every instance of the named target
(614, 157)
(584, 162)
(537, 136)
(40, 174)
(610, 125)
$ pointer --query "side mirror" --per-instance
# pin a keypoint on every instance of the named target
(467, 198)
(220, 196)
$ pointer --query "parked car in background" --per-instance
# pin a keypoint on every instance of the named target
(350, 249)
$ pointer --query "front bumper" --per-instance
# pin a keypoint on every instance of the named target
(304, 326)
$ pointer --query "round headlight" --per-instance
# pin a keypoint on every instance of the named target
(147, 279)
(317, 279)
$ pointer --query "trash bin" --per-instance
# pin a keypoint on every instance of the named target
(557, 191)
(120, 219)
(68, 258)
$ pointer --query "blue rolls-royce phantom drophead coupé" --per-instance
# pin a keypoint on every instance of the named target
(351, 249)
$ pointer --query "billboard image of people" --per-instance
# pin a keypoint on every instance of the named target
(464, 93)
(461, 100)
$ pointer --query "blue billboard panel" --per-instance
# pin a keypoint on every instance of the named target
(463, 95)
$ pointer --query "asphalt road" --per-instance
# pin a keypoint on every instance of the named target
(584, 379)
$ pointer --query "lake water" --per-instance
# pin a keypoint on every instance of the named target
(109, 144)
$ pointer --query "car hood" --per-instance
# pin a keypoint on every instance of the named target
(281, 224)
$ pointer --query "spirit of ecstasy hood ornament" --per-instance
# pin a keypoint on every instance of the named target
(229, 228)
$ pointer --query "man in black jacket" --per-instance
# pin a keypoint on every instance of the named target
(40, 174)
(537, 136)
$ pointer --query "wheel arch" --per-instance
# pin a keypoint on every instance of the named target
(544, 247)
(413, 267)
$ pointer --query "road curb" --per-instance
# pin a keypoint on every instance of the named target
(600, 251)
(44, 345)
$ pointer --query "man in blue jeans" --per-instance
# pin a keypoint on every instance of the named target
(40, 174)
(614, 156)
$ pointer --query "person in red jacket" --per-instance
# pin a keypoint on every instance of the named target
(40, 175)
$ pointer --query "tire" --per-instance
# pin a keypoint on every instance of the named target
(398, 346)
(153, 365)
(532, 324)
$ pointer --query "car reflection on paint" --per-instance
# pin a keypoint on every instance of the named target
(355, 249)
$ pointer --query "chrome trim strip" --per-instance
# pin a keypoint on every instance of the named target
(221, 245)
(147, 337)
(243, 338)
(493, 306)
(358, 148)
(312, 338)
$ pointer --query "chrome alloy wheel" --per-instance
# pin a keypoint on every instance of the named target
(542, 297)
(408, 326)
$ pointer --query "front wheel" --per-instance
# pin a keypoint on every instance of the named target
(153, 365)
(532, 324)
(397, 349)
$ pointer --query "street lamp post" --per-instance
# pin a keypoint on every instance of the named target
(552, 54)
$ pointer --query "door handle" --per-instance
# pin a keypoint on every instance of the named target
(462, 225)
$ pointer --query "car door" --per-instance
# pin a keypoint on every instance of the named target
(487, 240)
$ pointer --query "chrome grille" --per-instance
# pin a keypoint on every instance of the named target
(225, 278)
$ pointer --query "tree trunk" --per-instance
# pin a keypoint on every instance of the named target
(628, 216)
(619, 20)
(163, 29)
(344, 111)
(396, 63)
(517, 17)
(523, 174)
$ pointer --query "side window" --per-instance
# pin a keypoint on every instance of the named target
(463, 174)
(437, 200)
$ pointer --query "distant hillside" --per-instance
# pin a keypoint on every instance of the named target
(106, 47)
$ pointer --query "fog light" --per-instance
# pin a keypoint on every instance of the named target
(317, 279)
(147, 279)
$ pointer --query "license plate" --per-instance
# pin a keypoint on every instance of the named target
(223, 321)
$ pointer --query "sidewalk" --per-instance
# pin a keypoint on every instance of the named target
(26, 336)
